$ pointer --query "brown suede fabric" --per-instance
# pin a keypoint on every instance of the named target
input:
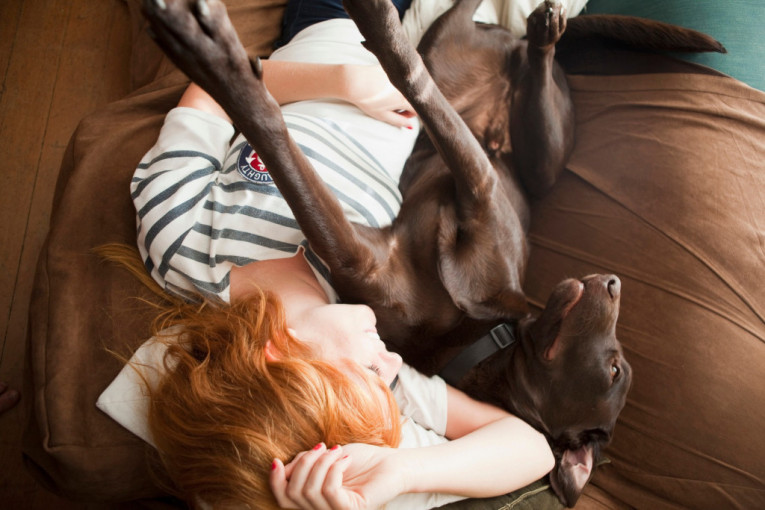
(666, 188)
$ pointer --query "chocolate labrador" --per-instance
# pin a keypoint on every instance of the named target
(448, 272)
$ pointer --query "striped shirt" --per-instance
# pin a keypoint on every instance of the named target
(205, 203)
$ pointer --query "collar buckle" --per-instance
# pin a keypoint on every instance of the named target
(502, 335)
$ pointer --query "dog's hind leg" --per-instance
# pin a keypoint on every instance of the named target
(199, 38)
(458, 19)
(541, 115)
(481, 247)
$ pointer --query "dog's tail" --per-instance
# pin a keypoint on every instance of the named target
(640, 33)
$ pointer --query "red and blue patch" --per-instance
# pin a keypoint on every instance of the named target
(251, 167)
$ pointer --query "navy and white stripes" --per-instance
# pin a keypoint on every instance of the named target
(199, 215)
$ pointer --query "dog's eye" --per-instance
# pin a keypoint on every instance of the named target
(615, 371)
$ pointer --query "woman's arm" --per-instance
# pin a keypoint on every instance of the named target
(493, 453)
(494, 459)
(367, 87)
(465, 414)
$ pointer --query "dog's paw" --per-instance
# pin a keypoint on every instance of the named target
(199, 38)
(368, 10)
(546, 25)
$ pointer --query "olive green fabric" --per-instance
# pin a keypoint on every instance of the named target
(537, 496)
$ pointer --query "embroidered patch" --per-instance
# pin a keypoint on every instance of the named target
(251, 167)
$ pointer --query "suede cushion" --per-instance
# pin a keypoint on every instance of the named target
(735, 23)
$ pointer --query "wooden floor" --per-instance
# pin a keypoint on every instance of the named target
(59, 60)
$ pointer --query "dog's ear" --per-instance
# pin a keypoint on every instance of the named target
(506, 303)
(483, 282)
(571, 473)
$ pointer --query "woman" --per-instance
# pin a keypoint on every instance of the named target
(233, 395)
(231, 399)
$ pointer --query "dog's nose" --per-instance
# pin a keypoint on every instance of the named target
(614, 286)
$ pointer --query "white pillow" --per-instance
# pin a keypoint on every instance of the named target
(126, 400)
(511, 14)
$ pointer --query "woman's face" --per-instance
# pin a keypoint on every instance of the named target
(347, 332)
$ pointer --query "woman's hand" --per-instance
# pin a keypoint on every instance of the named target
(369, 88)
(352, 477)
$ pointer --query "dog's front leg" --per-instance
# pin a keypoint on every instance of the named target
(542, 118)
(198, 37)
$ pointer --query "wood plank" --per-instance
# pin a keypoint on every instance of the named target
(24, 106)
(27, 91)
(68, 58)
(10, 11)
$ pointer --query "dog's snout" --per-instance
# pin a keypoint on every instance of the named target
(614, 286)
(609, 282)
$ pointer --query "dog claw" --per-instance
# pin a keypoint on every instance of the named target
(202, 8)
(257, 67)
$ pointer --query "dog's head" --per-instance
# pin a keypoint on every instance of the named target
(579, 376)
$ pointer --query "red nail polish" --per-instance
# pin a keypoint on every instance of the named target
(335, 447)
(317, 446)
(273, 465)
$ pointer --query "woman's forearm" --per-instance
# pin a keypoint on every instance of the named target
(367, 87)
(500, 457)
(289, 82)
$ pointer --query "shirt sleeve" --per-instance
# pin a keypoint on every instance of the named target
(422, 398)
(170, 190)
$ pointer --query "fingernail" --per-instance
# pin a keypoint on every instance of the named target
(274, 465)
(318, 446)
(409, 127)
(336, 447)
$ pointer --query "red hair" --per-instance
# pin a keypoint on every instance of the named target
(223, 412)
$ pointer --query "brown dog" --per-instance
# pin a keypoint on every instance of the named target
(450, 267)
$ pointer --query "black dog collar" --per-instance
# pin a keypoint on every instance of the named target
(500, 337)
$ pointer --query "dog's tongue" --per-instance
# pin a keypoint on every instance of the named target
(580, 461)
(571, 474)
